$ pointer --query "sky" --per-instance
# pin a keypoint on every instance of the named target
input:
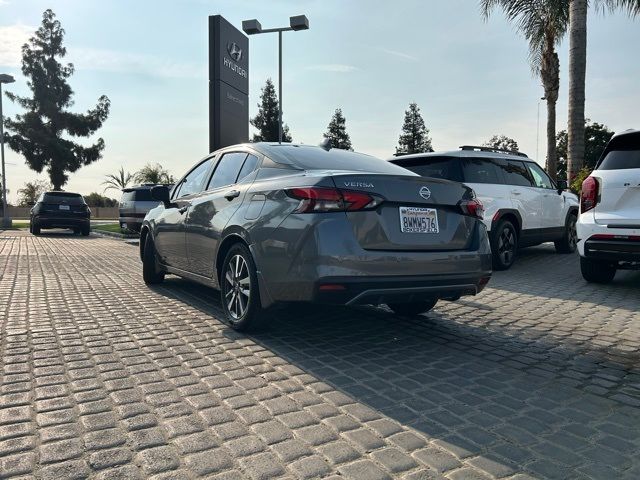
(371, 58)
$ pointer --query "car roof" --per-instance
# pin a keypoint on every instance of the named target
(144, 186)
(463, 154)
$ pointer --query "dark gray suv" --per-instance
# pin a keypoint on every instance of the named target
(268, 223)
(135, 203)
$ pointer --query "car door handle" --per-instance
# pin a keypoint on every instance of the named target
(515, 192)
(183, 209)
(232, 194)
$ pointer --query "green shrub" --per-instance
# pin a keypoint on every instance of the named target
(576, 184)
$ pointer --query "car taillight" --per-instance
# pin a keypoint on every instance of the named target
(589, 194)
(320, 199)
(472, 207)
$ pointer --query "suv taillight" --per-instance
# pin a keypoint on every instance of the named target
(589, 194)
(472, 208)
(320, 199)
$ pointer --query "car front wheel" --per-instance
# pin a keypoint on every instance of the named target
(504, 245)
(597, 271)
(239, 292)
(569, 241)
(413, 308)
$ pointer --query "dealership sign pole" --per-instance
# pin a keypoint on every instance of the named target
(6, 222)
(253, 27)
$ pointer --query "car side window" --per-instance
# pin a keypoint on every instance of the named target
(540, 177)
(481, 170)
(194, 181)
(249, 166)
(515, 173)
(227, 170)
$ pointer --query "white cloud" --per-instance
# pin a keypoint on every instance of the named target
(12, 37)
(4, 2)
(403, 55)
(124, 62)
(333, 67)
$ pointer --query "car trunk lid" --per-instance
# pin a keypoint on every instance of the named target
(417, 214)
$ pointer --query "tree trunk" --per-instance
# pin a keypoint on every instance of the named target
(552, 155)
(577, 76)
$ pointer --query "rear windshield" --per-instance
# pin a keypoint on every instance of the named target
(143, 195)
(434, 167)
(316, 158)
(620, 160)
(62, 197)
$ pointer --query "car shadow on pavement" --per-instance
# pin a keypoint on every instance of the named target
(523, 403)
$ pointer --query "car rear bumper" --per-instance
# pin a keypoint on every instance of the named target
(622, 246)
(61, 222)
(328, 265)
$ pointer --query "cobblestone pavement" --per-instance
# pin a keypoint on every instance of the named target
(103, 377)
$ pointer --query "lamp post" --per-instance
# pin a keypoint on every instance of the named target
(6, 221)
(253, 27)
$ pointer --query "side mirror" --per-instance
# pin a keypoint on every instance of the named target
(562, 185)
(161, 194)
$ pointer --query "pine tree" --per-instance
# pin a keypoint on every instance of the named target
(42, 133)
(337, 131)
(415, 135)
(266, 121)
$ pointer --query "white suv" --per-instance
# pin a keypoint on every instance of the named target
(609, 223)
(523, 206)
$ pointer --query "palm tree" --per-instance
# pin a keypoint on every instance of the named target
(577, 73)
(543, 23)
(118, 181)
(154, 173)
(28, 195)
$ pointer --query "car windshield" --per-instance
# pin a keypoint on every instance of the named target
(316, 158)
(62, 197)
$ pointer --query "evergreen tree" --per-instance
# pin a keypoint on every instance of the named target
(42, 133)
(266, 121)
(337, 132)
(415, 135)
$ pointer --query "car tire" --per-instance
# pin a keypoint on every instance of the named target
(412, 308)
(76, 231)
(569, 241)
(239, 292)
(35, 229)
(597, 271)
(85, 231)
(151, 274)
(504, 245)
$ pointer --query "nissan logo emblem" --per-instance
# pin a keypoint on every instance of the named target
(234, 50)
(425, 193)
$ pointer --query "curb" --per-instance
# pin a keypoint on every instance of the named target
(123, 236)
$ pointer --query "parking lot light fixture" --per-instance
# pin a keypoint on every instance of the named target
(6, 221)
(296, 23)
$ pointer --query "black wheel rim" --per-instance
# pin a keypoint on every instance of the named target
(237, 282)
(572, 234)
(506, 246)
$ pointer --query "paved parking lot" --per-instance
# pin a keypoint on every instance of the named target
(103, 377)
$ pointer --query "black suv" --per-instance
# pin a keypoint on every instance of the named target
(61, 210)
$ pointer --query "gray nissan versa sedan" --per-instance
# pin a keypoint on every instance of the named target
(268, 223)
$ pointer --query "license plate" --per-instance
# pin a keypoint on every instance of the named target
(418, 220)
(64, 207)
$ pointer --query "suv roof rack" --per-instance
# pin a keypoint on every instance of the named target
(494, 150)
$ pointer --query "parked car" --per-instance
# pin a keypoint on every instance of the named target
(135, 203)
(269, 223)
(523, 206)
(609, 223)
(60, 210)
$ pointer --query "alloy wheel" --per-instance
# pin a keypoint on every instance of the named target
(506, 246)
(573, 233)
(237, 287)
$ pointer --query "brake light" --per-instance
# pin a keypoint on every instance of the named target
(589, 194)
(320, 199)
(472, 207)
(607, 236)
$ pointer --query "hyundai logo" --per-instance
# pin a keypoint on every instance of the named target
(234, 50)
(425, 193)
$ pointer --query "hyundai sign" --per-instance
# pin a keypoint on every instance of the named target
(228, 84)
